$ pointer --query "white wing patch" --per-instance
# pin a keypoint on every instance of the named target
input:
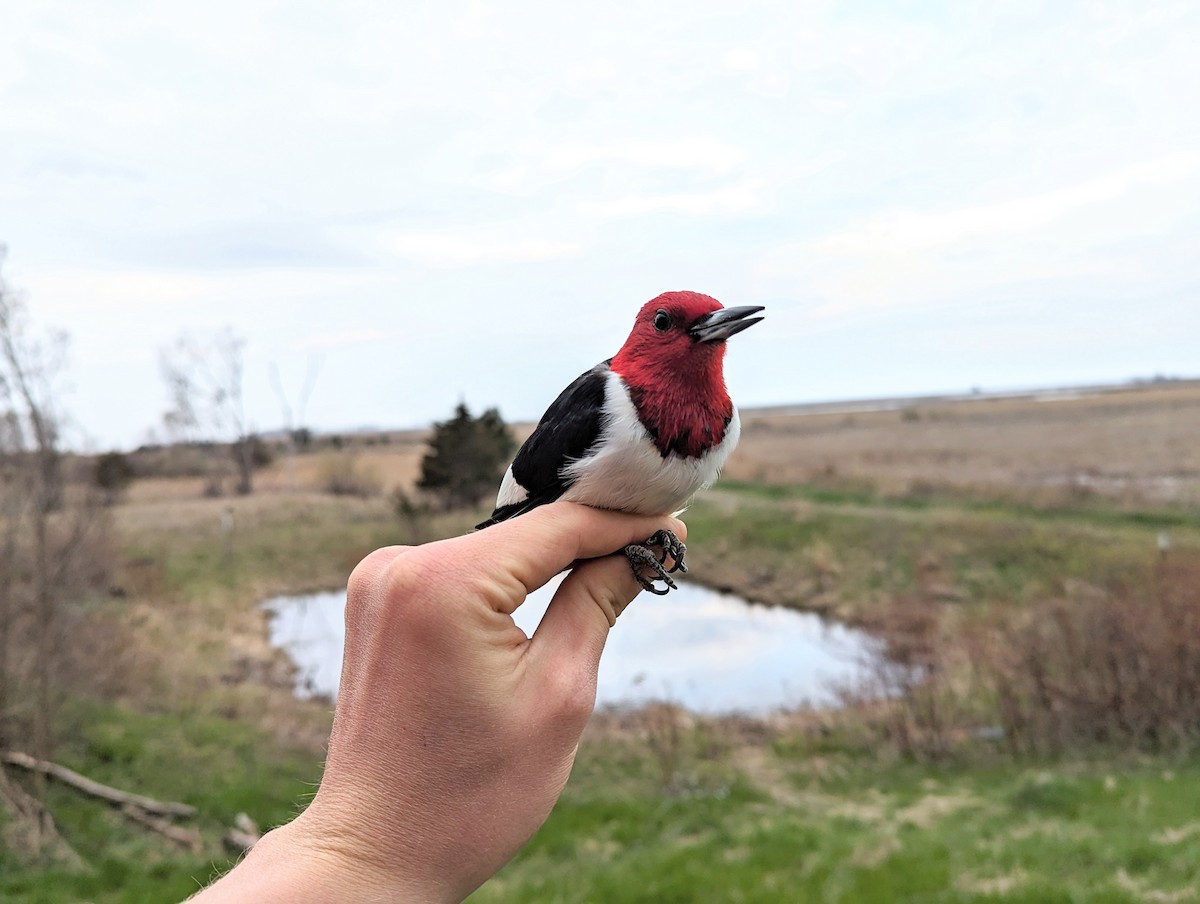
(511, 492)
(626, 471)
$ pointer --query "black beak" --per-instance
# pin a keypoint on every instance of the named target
(724, 323)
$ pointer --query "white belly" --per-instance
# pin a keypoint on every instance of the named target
(627, 472)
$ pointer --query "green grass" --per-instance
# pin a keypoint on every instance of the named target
(299, 542)
(830, 827)
(1099, 511)
(842, 550)
(858, 831)
(220, 766)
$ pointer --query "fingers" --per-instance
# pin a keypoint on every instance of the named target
(536, 546)
(564, 654)
(588, 602)
(492, 570)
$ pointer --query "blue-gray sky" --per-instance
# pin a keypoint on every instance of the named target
(470, 200)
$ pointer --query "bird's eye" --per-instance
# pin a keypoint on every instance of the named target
(662, 321)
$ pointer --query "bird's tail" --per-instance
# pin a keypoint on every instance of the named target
(504, 512)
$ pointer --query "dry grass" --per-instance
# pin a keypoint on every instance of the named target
(1136, 444)
(1117, 668)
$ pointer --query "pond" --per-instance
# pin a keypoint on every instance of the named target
(711, 652)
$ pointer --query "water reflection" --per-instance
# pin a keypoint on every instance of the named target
(710, 651)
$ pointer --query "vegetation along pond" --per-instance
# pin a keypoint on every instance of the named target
(711, 652)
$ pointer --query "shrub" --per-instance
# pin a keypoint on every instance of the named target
(114, 472)
(1118, 667)
(414, 513)
(344, 475)
(1113, 668)
(466, 458)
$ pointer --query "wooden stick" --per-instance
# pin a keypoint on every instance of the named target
(187, 838)
(96, 789)
(243, 835)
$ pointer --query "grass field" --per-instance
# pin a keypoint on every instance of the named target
(789, 820)
(980, 510)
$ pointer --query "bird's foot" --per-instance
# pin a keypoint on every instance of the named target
(642, 557)
(671, 546)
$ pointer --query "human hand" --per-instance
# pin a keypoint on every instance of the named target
(454, 732)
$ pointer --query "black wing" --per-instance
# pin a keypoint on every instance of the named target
(568, 429)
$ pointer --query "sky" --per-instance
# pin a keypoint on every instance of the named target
(428, 202)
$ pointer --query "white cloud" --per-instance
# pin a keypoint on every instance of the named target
(1088, 232)
(899, 232)
(444, 250)
(696, 153)
(741, 198)
(342, 339)
(741, 59)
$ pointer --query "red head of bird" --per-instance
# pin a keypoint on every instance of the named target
(672, 366)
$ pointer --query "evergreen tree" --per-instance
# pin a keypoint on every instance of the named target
(466, 458)
(114, 472)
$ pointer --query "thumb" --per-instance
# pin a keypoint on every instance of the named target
(564, 653)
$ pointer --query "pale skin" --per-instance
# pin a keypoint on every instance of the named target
(454, 732)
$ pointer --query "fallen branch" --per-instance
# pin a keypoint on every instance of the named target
(96, 789)
(187, 838)
(243, 835)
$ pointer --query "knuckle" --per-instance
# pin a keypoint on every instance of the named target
(385, 587)
(366, 573)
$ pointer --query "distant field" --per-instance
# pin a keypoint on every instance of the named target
(1139, 444)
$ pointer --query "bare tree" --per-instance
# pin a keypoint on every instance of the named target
(51, 541)
(204, 379)
(294, 426)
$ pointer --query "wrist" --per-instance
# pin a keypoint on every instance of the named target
(298, 863)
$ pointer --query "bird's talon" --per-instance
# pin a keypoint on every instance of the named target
(672, 547)
(639, 556)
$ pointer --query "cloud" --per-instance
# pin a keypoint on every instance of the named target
(262, 244)
(1091, 231)
(741, 59)
(444, 250)
(342, 339)
(904, 231)
(741, 198)
(103, 307)
(695, 153)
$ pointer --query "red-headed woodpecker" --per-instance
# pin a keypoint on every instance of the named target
(642, 431)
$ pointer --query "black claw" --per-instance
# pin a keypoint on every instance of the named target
(649, 585)
(640, 557)
(672, 547)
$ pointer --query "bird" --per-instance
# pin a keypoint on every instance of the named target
(641, 432)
